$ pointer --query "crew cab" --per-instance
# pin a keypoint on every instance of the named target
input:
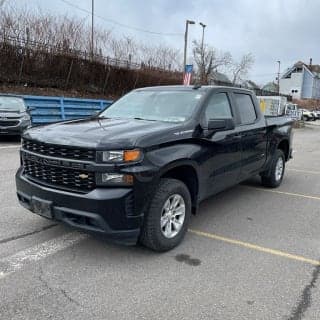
(14, 116)
(138, 170)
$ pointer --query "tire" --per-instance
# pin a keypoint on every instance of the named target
(305, 118)
(272, 178)
(153, 235)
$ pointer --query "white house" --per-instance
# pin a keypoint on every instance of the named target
(301, 81)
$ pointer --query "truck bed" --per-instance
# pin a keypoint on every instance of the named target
(278, 121)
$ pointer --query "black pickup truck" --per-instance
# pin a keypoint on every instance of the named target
(139, 169)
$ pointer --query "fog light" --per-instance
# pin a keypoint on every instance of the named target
(107, 177)
(116, 179)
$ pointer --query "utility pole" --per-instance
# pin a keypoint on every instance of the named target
(92, 28)
(186, 43)
(202, 54)
(279, 77)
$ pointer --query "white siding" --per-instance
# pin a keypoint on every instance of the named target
(316, 88)
(293, 83)
(307, 85)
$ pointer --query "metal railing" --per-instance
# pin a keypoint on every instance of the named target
(45, 109)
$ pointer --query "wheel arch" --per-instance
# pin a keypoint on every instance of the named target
(283, 145)
(187, 173)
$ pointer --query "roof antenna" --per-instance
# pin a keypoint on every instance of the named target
(196, 86)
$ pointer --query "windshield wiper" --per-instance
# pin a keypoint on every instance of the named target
(138, 118)
(9, 110)
(101, 117)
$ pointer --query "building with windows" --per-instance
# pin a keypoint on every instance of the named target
(301, 81)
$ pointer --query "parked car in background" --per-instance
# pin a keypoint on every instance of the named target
(307, 115)
(14, 116)
(317, 114)
(137, 171)
(292, 110)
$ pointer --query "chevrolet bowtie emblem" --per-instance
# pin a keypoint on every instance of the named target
(83, 176)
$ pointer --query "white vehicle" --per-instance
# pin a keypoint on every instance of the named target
(278, 106)
(307, 115)
(272, 105)
(316, 113)
(292, 110)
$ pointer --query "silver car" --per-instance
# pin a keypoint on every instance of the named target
(14, 116)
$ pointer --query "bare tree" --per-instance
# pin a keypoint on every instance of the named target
(209, 60)
(69, 34)
(240, 69)
(160, 56)
(123, 49)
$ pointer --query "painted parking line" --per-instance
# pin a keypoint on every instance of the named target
(299, 195)
(10, 147)
(303, 171)
(255, 247)
(11, 264)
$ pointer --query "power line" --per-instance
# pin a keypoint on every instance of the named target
(121, 24)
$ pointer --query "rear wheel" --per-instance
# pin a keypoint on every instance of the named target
(273, 177)
(167, 219)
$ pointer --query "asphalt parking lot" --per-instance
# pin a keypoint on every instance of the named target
(251, 253)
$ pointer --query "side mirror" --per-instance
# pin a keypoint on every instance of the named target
(29, 109)
(221, 124)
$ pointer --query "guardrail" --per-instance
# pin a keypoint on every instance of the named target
(46, 109)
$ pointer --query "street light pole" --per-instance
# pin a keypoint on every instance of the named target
(279, 77)
(186, 43)
(202, 54)
(92, 28)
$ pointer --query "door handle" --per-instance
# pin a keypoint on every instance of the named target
(237, 136)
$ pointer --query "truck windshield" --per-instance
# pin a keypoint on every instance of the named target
(169, 106)
(12, 104)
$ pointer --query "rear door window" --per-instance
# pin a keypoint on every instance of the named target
(246, 108)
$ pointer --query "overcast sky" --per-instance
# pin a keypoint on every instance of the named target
(285, 30)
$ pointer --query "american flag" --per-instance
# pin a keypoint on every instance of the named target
(187, 74)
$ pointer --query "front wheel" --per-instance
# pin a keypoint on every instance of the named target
(273, 177)
(167, 219)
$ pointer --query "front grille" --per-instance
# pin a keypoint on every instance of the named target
(8, 123)
(59, 177)
(58, 151)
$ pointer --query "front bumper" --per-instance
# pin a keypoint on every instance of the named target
(105, 211)
(15, 130)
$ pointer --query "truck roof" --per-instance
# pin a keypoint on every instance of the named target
(189, 88)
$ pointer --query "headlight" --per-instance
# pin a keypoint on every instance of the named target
(121, 156)
(25, 117)
(111, 179)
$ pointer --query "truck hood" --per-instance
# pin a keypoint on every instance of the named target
(104, 133)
